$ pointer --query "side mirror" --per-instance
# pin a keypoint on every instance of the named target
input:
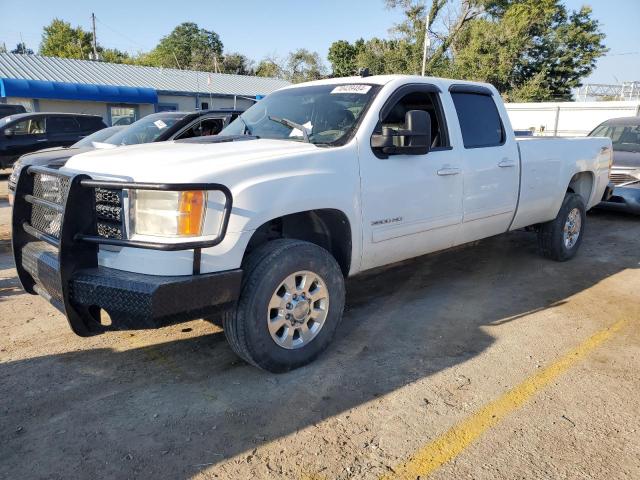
(8, 132)
(414, 139)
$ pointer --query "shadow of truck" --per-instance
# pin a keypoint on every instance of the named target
(163, 411)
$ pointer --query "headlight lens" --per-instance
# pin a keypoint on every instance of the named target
(168, 214)
(15, 173)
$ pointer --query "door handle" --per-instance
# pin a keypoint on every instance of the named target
(42, 140)
(444, 171)
(506, 163)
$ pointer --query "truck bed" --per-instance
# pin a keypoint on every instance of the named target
(547, 166)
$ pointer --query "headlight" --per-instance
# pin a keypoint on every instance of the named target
(168, 214)
(15, 173)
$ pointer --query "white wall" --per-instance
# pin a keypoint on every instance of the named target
(184, 103)
(567, 118)
(74, 106)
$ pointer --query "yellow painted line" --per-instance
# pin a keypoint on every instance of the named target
(453, 442)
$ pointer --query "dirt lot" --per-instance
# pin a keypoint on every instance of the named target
(424, 347)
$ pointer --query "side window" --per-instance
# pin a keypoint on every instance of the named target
(62, 125)
(33, 126)
(479, 120)
(90, 124)
(430, 103)
(203, 128)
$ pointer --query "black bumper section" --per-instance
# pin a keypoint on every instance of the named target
(138, 301)
(132, 300)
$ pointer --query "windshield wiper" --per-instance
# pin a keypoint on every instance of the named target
(292, 125)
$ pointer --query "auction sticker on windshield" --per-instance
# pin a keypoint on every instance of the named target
(160, 124)
(361, 89)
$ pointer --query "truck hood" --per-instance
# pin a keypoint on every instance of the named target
(626, 159)
(183, 161)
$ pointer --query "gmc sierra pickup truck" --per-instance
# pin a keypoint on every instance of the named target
(260, 225)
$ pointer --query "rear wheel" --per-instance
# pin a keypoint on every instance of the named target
(560, 238)
(290, 305)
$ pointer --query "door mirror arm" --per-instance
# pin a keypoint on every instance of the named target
(414, 139)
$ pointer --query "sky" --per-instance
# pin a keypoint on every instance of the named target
(259, 29)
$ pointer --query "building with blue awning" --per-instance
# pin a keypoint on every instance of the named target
(121, 93)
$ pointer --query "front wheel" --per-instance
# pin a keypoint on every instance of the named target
(290, 305)
(560, 238)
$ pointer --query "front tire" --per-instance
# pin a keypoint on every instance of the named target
(290, 305)
(560, 238)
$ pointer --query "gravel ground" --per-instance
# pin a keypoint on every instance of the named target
(423, 345)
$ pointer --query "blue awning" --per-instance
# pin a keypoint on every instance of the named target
(14, 87)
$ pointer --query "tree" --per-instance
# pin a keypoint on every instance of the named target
(237, 64)
(187, 47)
(342, 56)
(270, 67)
(113, 55)
(22, 49)
(529, 49)
(59, 39)
(304, 65)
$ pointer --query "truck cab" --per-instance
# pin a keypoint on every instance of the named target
(261, 224)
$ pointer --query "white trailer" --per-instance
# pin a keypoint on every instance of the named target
(567, 119)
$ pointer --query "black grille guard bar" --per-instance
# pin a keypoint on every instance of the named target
(170, 187)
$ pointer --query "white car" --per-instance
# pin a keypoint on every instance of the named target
(317, 182)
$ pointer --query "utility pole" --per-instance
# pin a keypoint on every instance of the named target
(95, 43)
(427, 43)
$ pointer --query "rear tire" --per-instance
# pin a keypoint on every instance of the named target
(560, 238)
(288, 286)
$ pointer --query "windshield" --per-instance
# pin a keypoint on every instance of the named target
(146, 129)
(5, 120)
(625, 138)
(328, 114)
(97, 137)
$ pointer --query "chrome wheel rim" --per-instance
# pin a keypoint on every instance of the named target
(298, 309)
(572, 228)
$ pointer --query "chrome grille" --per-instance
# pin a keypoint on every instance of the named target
(619, 178)
(109, 213)
(54, 189)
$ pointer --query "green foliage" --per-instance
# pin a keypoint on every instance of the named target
(237, 64)
(303, 65)
(269, 67)
(529, 49)
(60, 39)
(342, 56)
(113, 55)
(187, 47)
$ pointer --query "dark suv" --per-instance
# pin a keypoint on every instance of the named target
(6, 109)
(28, 132)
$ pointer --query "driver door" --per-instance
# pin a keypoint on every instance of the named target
(411, 204)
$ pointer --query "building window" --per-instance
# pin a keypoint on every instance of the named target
(204, 106)
(122, 115)
(167, 107)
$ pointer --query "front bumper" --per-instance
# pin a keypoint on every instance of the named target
(55, 243)
(624, 199)
(132, 300)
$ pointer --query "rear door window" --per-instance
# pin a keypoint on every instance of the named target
(90, 124)
(62, 125)
(479, 120)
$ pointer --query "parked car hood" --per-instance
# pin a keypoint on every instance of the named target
(626, 159)
(183, 161)
(44, 157)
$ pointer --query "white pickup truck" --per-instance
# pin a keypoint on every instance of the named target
(315, 183)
